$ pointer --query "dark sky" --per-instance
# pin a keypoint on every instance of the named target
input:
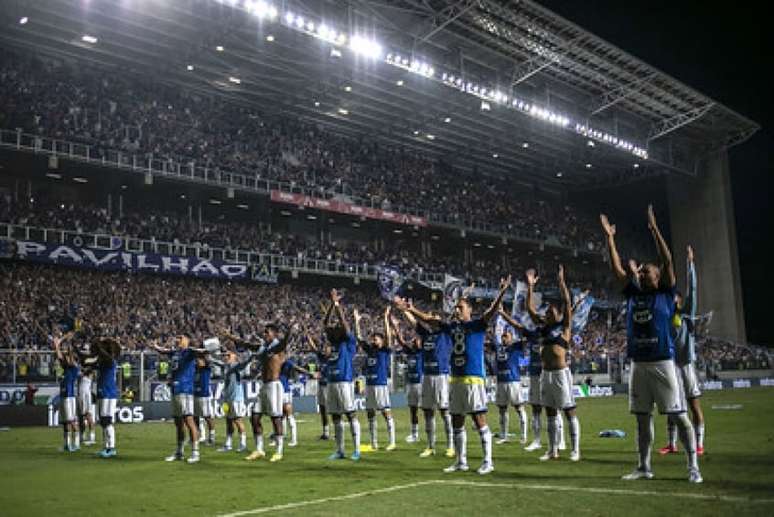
(724, 53)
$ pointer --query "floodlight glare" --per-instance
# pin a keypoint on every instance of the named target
(89, 39)
(365, 47)
(23, 20)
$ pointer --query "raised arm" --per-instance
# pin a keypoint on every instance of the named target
(505, 283)
(336, 299)
(532, 279)
(510, 321)
(387, 327)
(57, 342)
(691, 302)
(408, 308)
(615, 259)
(567, 301)
(162, 350)
(311, 343)
(668, 268)
(357, 319)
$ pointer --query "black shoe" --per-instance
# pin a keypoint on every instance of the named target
(324, 437)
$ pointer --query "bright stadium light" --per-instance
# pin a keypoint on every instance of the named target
(269, 38)
(430, 136)
(23, 20)
(189, 68)
(348, 88)
(343, 111)
(89, 39)
(299, 22)
(219, 48)
(235, 80)
(335, 52)
(525, 145)
(365, 47)
(447, 119)
(316, 104)
(399, 82)
(485, 106)
(289, 17)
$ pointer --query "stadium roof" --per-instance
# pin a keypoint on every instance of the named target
(553, 104)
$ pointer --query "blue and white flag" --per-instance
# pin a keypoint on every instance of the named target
(389, 280)
(582, 303)
(519, 307)
(453, 290)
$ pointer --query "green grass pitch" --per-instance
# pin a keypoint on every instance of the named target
(738, 470)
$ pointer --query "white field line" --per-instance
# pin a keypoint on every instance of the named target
(518, 486)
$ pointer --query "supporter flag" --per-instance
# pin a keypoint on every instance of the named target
(582, 303)
(452, 292)
(212, 344)
(389, 280)
(519, 307)
(501, 326)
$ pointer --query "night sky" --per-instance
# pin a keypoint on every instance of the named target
(724, 53)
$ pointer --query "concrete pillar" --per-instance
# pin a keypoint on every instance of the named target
(702, 215)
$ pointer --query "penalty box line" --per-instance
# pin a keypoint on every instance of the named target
(483, 484)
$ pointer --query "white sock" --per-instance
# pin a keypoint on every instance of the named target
(76, 439)
(504, 424)
(559, 431)
(553, 435)
(372, 431)
(227, 445)
(536, 426)
(212, 435)
(522, 422)
(355, 427)
(700, 435)
(447, 422)
(195, 447)
(671, 431)
(688, 437)
(391, 429)
(430, 429)
(338, 428)
(575, 432)
(280, 443)
(486, 443)
(67, 440)
(293, 428)
(111, 436)
(242, 440)
(325, 430)
(285, 425)
(258, 442)
(460, 446)
(91, 435)
(644, 440)
(202, 428)
(414, 431)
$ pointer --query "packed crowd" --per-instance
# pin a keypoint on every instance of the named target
(113, 112)
(177, 227)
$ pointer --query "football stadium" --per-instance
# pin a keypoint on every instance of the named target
(360, 257)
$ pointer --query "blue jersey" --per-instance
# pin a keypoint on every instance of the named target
(183, 369)
(533, 345)
(323, 362)
(436, 351)
(106, 380)
(507, 359)
(202, 382)
(286, 371)
(340, 361)
(649, 323)
(377, 365)
(414, 365)
(467, 354)
(69, 382)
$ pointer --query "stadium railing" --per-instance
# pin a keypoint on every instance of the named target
(191, 172)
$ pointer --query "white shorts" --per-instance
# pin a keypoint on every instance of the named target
(67, 410)
(656, 382)
(377, 398)
(414, 394)
(508, 394)
(340, 398)
(236, 409)
(271, 396)
(182, 405)
(534, 391)
(435, 392)
(322, 392)
(84, 402)
(690, 381)
(107, 408)
(556, 389)
(203, 407)
(287, 398)
(466, 399)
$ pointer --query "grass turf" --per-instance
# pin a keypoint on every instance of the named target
(738, 470)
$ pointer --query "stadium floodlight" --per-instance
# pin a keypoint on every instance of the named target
(214, 201)
(485, 106)
(335, 52)
(365, 47)
(310, 26)
(189, 68)
(242, 206)
(444, 76)
(219, 48)
(299, 21)
(79, 179)
(23, 20)
(525, 145)
(430, 136)
(270, 38)
(316, 104)
(558, 174)
(590, 143)
(89, 39)
(399, 82)
(636, 165)
(347, 88)
(447, 119)
(495, 155)
(289, 17)
(234, 80)
(343, 111)
(588, 165)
